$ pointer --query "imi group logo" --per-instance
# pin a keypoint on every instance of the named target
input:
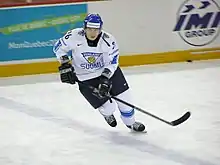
(198, 22)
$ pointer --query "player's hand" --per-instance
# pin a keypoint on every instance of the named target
(67, 74)
(105, 85)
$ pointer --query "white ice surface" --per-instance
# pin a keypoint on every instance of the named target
(44, 122)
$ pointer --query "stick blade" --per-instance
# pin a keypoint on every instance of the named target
(181, 119)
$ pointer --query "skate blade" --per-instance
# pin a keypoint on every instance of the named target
(138, 132)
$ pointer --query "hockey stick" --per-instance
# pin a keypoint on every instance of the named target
(172, 123)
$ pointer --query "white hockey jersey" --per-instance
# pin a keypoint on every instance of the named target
(89, 62)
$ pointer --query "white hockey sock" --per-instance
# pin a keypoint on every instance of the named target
(127, 113)
(108, 108)
(128, 117)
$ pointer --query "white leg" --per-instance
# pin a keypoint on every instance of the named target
(127, 113)
(108, 108)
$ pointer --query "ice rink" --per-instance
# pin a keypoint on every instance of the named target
(45, 122)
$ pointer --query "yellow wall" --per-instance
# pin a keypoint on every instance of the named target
(9, 70)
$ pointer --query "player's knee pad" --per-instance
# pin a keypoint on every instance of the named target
(108, 108)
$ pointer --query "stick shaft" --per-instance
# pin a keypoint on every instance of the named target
(141, 110)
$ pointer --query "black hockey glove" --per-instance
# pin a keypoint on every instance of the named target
(105, 84)
(67, 74)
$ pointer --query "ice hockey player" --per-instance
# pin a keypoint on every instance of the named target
(94, 62)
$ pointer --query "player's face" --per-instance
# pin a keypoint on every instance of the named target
(92, 33)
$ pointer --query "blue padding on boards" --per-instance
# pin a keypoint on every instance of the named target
(127, 114)
(34, 31)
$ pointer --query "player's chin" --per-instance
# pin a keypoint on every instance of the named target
(93, 37)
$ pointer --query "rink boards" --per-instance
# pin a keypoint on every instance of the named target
(154, 37)
(51, 65)
(131, 60)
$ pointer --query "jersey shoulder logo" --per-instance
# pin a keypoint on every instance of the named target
(81, 33)
(106, 35)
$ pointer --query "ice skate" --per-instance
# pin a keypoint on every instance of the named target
(137, 126)
(111, 120)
